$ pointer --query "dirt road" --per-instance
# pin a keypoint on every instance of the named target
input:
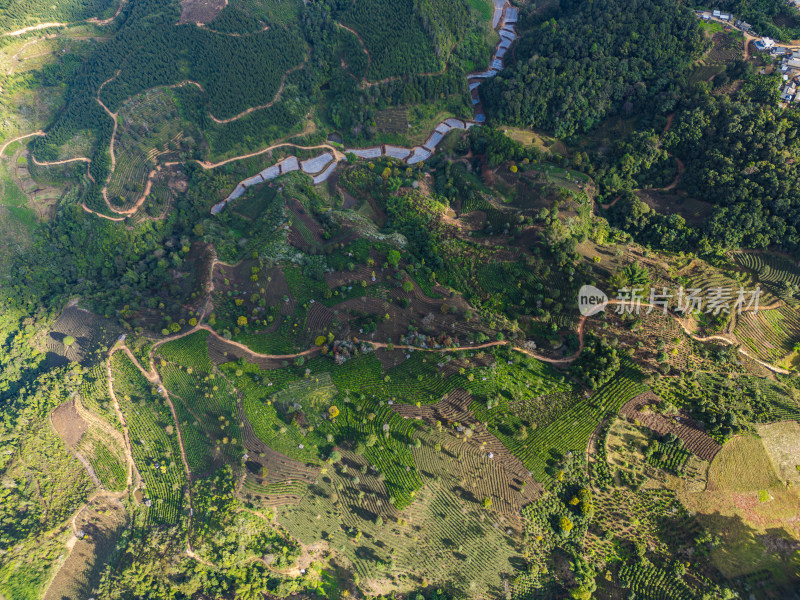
(25, 30)
(18, 138)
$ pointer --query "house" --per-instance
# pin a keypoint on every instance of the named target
(743, 25)
(792, 63)
(788, 93)
(706, 16)
(764, 43)
(780, 51)
(716, 14)
(726, 16)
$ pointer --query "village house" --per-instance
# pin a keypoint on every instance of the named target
(790, 63)
(788, 93)
(764, 43)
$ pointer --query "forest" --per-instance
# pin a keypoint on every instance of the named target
(235, 72)
(315, 62)
(735, 149)
(586, 61)
(16, 14)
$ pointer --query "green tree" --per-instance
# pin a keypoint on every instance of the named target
(393, 258)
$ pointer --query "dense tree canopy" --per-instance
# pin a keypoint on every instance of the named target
(588, 60)
(740, 155)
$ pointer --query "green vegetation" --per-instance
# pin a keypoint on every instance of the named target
(725, 405)
(153, 440)
(769, 17)
(26, 13)
(108, 468)
(380, 386)
(668, 454)
(565, 77)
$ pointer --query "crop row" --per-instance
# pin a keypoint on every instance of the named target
(95, 396)
(213, 402)
(188, 351)
(389, 451)
(771, 269)
(670, 457)
(648, 581)
(281, 431)
(153, 440)
(571, 432)
(770, 334)
(108, 467)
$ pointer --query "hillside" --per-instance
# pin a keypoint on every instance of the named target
(424, 300)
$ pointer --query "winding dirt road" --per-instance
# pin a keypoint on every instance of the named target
(113, 115)
(677, 179)
(92, 20)
(25, 30)
(20, 137)
(53, 163)
(363, 47)
(337, 154)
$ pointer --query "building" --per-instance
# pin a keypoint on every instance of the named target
(764, 43)
(716, 14)
(780, 51)
(726, 16)
(743, 25)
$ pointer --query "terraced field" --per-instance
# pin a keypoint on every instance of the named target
(571, 432)
(773, 271)
(640, 409)
(770, 334)
(149, 126)
(153, 441)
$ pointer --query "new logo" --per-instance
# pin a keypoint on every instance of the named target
(591, 300)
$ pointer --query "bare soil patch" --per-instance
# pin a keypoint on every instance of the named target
(201, 11)
(69, 425)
